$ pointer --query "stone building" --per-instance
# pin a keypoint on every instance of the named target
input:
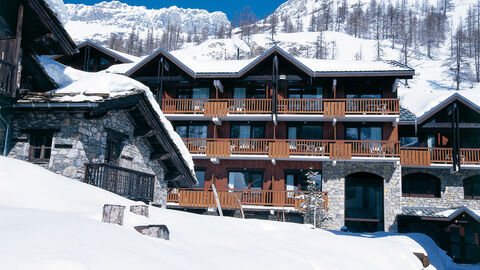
(114, 136)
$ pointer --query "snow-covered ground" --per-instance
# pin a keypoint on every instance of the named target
(51, 222)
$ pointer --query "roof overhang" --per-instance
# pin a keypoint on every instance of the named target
(455, 97)
(404, 73)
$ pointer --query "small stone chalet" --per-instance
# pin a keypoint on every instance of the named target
(104, 129)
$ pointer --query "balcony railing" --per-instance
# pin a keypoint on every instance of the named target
(128, 183)
(217, 107)
(329, 107)
(335, 149)
(339, 107)
(236, 198)
(425, 156)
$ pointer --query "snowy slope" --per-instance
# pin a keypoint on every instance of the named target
(52, 222)
(98, 21)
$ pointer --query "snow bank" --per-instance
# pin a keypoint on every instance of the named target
(52, 222)
(91, 86)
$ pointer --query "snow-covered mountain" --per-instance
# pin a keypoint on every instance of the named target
(98, 21)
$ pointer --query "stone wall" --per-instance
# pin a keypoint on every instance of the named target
(452, 194)
(82, 141)
(333, 182)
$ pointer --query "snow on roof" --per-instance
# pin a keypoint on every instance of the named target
(317, 65)
(125, 57)
(423, 102)
(217, 66)
(449, 213)
(83, 86)
(59, 9)
(239, 67)
(119, 68)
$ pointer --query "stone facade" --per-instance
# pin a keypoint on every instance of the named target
(79, 140)
(451, 185)
(333, 182)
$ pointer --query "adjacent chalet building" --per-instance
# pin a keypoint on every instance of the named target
(255, 127)
(93, 57)
(440, 157)
(114, 137)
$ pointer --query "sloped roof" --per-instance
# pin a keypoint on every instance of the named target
(311, 67)
(406, 115)
(457, 96)
(441, 213)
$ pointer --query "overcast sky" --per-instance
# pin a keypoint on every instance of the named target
(259, 7)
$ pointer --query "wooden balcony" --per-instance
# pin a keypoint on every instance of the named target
(339, 107)
(217, 107)
(128, 183)
(328, 107)
(236, 198)
(278, 149)
(425, 156)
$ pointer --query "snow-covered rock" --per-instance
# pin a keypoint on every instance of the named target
(99, 20)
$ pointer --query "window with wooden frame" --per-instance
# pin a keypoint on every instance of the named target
(471, 187)
(40, 145)
(114, 146)
(421, 185)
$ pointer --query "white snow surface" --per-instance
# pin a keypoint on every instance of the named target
(59, 8)
(83, 86)
(52, 222)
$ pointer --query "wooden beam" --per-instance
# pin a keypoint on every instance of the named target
(18, 43)
(159, 155)
(148, 132)
(449, 125)
(173, 177)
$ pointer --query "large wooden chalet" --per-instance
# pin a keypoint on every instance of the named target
(255, 127)
(118, 143)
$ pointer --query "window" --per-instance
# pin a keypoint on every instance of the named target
(471, 187)
(364, 202)
(195, 93)
(364, 133)
(114, 146)
(305, 132)
(245, 180)
(420, 185)
(297, 180)
(409, 142)
(246, 131)
(201, 178)
(354, 96)
(40, 146)
(308, 93)
(192, 131)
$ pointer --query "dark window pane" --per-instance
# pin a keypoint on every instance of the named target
(255, 180)
(312, 132)
(351, 133)
(258, 132)
(182, 131)
(237, 180)
(371, 133)
(421, 184)
(201, 178)
(199, 131)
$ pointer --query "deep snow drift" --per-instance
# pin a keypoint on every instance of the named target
(50, 222)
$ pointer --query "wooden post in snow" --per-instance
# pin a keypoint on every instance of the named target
(217, 201)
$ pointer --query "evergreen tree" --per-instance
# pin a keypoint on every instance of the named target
(313, 206)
